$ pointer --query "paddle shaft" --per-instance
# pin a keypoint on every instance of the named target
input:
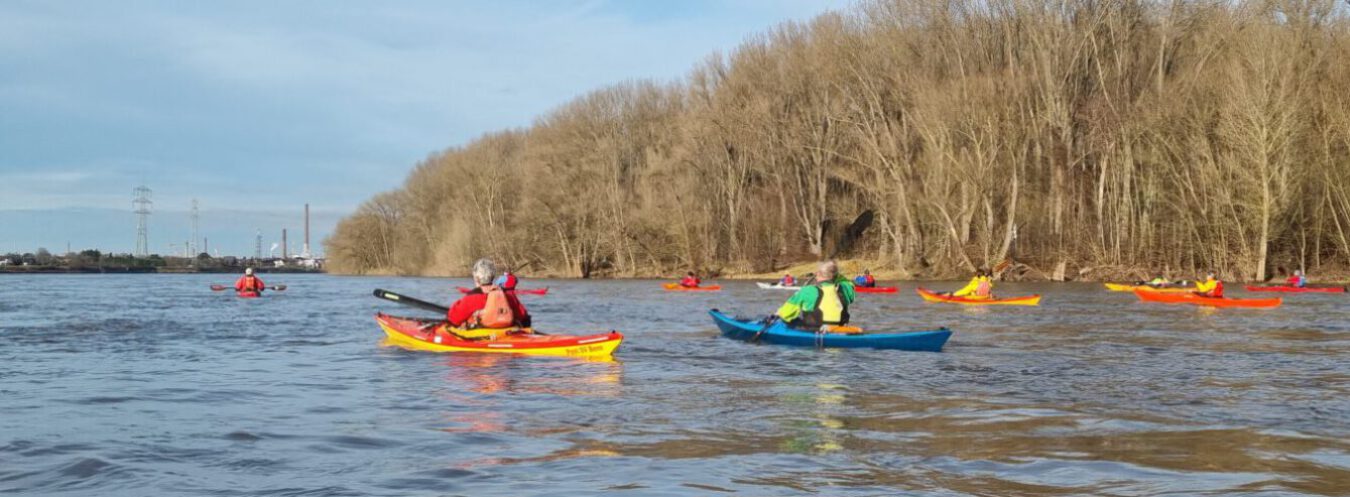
(221, 288)
(411, 302)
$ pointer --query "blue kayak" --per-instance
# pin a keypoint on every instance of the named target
(779, 333)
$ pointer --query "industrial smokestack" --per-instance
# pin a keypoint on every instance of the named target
(305, 251)
(285, 247)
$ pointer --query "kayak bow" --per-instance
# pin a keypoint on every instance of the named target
(930, 296)
(434, 335)
(875, 289)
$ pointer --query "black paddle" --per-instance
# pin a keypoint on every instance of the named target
(409, 301)
(221, 288)
(769, 321)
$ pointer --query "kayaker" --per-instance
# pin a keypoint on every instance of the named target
(507, 281)
(248, 284)
(468, 311)
(1211, 287)
(787, 280)
(1297, 279)
(690, 281)
(865, 279)
(825, 302)
(1158, 282)
(980, 286)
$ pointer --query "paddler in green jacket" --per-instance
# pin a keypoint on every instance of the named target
(822, 303)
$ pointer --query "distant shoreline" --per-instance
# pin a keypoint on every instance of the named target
(145, 270)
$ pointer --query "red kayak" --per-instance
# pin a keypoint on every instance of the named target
(1296, 289)
(1193, 299)
(874, 289)
(525, 291)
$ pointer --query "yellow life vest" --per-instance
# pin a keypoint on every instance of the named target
(831, 308)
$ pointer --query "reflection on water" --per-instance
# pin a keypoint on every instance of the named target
(183, 392)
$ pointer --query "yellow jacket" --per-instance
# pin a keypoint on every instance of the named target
(974, 284)
(1206, 286)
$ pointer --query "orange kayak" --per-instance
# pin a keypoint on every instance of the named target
(1191, 298)
(675, 287)
(929, 296)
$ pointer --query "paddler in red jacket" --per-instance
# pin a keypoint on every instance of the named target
(690, 281)
(463, 313)
(248, 284)
(1297, 280)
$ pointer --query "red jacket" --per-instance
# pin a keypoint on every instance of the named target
(690, 281)
(248, 283)
(475, 300)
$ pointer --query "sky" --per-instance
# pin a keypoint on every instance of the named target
(255, 108)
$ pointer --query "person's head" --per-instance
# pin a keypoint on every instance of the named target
(248, 271)
(827, 270)
(1298, 272)
(484, 271)
(691, 273)
(867, 271)
(1209, 275)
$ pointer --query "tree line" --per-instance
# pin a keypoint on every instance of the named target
(934, 136)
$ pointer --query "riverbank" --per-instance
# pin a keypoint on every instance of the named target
(1015, 271)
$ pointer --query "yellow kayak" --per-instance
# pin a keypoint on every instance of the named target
(434, 336)
(1123, 287)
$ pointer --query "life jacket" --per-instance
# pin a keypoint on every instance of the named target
(496, 313)
(788, 280)
(830, 309)
(690, 281)
(984, 287)
(1295, 281)
(860, 280)
(1218, 289)
(868, 280)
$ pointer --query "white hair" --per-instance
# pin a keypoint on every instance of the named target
(827, 271)
(484, 271)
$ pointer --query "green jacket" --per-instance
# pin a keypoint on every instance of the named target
(805, 300)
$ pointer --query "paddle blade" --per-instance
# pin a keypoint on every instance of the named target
(218, 288)
(278, 288)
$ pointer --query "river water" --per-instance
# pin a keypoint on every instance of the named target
(154, 385)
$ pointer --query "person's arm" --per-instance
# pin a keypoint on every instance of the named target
(517, 308)
(792, 309)
(239, 285)
(463, 309)
(258, 284)
(968, 289)
(849, 291)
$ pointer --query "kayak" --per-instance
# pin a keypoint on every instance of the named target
(1296, 289)
(523, 291)
(248, 295)
(675, 287)
(1191, 298)
(780, 334)
(775, 286)
(929, 296)
(875, 289)
(1122, 287)
(431, 335)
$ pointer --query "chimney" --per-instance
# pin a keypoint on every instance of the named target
(285, 247)
(305, 251)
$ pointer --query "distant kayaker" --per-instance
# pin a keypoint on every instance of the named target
(488, 305)
(1297, 279)
(825, 302)
(787, 280)
(248, 284)
(980, 286)
(865, 279)
(1211, 287)
(507, 281)
(690, 281)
